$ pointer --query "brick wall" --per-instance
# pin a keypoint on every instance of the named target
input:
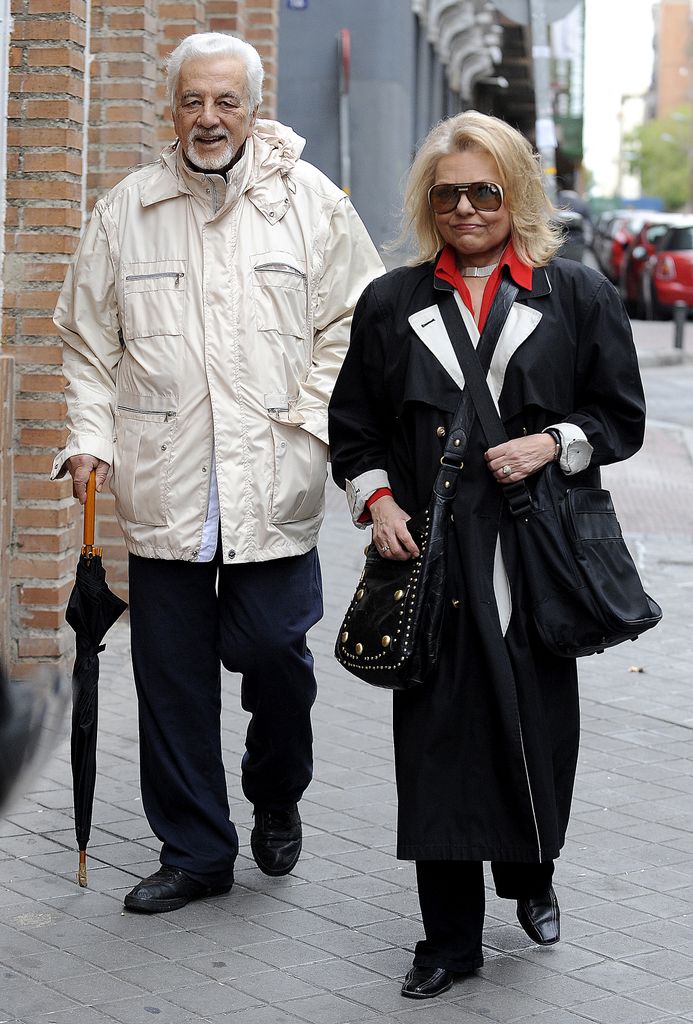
(674, 61)
(67, 57)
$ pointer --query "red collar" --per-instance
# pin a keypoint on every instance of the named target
(446, 270)
(521, 273)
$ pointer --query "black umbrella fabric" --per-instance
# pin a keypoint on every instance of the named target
(91, 611)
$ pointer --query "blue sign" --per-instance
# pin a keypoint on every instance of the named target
(297, 5)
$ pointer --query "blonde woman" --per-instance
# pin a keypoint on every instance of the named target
(486, 748)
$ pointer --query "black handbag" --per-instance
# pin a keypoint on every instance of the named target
(390, 634)
(585, 590)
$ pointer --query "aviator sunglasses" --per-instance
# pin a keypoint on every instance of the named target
(483, 195)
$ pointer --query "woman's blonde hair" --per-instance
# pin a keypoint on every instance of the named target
(536, 238)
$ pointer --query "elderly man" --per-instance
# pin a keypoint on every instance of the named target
(205, 319)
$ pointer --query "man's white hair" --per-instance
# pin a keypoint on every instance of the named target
(208, 44)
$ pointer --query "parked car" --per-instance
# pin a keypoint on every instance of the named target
(668, 274)
(635, 259)
(619, 235)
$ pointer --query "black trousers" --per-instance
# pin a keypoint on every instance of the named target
(187, 619)
(452, 900)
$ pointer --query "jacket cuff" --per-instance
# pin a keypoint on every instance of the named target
(360, 489)
(311, 419)
(86, 444)
(576, 451)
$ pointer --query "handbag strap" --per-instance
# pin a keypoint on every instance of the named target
(475, 363)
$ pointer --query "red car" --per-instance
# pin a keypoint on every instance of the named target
(635, 259)
(668, 274)
(621, 234)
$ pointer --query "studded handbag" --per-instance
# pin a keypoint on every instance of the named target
(390, 634)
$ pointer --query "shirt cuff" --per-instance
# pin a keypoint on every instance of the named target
(361, 488)
(576, 451)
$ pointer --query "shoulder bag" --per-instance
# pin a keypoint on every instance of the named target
(390, 634)
(585, 590)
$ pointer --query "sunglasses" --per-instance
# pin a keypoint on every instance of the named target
(483, 195)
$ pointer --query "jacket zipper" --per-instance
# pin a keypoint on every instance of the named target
(285, 267)
(165, 273)
(169, 415)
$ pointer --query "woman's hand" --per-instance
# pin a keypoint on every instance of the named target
(514, 460)
(390, 533)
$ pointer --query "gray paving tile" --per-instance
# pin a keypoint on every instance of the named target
(209, 998)
(616, 976)
(328, 1009)
(287, 953)
(96, 988)
(334, 974)
(258, 1015)
(664, 963)
(276, 986)
(620, 1010)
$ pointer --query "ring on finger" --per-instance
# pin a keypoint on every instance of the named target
(385, 547)
(506, 470)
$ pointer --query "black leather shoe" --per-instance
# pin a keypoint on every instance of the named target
(541, 918)
(427, 982)
(168, 889)
(276, 840)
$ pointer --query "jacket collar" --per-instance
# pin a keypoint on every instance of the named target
(540, 284)
(273, 151)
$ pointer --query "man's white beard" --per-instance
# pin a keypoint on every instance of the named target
(209, 162)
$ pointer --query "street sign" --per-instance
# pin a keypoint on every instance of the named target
(519, 10)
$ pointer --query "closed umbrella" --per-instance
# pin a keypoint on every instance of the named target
(91, 611)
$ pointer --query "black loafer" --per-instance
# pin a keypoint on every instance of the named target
(168, 889)
(276, 840)
(427, 982)
(541, 918)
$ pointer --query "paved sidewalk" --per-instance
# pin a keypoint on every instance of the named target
(330, 943)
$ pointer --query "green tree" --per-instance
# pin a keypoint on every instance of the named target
(658, 151)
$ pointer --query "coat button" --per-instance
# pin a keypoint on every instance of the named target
(440, 431)
(231, 555)
(204, 469)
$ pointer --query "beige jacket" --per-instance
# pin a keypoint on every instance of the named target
(204, 324)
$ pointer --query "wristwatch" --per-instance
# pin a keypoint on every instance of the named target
(559, 444)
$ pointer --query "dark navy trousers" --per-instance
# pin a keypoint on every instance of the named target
(188, 619)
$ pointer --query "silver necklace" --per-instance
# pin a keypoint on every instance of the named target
(477, 271)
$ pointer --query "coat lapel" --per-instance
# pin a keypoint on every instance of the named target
(429, 327)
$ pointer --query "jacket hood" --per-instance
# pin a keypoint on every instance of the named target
(285, 147)
(275, 151)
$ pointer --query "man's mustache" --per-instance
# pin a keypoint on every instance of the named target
(209, 136)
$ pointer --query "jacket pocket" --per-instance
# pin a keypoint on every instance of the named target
(141, 461)
(279, 293)
(300, 471)
(153, 298)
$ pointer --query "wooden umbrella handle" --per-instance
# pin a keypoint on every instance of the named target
(90, 511)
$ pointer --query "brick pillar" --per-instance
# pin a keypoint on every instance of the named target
(178, 19)
(6, 471)
(262, 30)
(122, 136)
(257, 21)
(45, 121)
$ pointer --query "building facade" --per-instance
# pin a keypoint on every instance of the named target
(409, 64)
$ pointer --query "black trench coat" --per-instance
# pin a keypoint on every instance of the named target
(486, 749)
